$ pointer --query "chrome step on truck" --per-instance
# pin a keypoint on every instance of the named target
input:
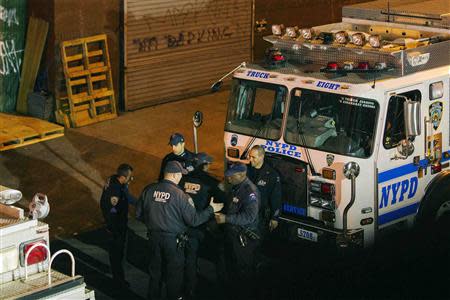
(25, 258)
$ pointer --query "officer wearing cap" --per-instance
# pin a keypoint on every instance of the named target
(241, 230)
(114, 205)
(201, 187)
(179, 153)
(268, 182)
(167, 212)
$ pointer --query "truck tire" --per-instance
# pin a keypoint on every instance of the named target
(434, 212)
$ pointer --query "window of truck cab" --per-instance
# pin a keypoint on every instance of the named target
(394, 128)
(256, 109)
(332, 123)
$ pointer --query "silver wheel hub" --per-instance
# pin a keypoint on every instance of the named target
(443, 209)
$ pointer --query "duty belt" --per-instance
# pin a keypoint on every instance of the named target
(160, 233)
(245, 234)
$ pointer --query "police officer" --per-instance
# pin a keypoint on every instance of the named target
(167, 212)
(114, 205)
(241, 231)
(268, 182)
(202, 187)
(179, 153)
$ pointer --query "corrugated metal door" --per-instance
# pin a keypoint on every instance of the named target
(12, 34)
(178, 48)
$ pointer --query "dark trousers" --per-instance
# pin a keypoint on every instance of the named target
(240, 265)
(191, 257)
(116, 252)
(196, 236)
(165, 258)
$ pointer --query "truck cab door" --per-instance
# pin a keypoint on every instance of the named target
(400, 173)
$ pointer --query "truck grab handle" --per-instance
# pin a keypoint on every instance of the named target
(51, 261)
(351, 171)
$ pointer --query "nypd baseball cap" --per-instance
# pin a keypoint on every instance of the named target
(176, 138)
(175, 167)
(203, 158)
(235, 168)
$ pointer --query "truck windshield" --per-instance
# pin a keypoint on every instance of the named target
(256, 109)
(331, 122)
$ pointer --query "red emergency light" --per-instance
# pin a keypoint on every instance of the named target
(37, 255)
(333, 66)
(350, 67)
(363, 66)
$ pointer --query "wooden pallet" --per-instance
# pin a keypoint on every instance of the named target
(90, 93)
(18, 131)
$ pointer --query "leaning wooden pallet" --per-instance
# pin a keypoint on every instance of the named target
(36, 37)
(90, 93)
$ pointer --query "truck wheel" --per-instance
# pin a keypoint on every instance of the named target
(442, 220)
(434, 215)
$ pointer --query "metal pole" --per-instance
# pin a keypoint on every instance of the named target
(195, 140)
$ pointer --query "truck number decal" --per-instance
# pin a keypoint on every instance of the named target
(328, 85)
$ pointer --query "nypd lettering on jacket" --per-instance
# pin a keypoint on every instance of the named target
(192, 188)
(161, 196)
(328, 85)
(257, 74)
(399, 191)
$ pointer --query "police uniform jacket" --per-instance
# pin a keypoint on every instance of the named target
(186, 159)
(268, 182)
(115, 216)
(164, 207)
(201, 186)
(242, 208)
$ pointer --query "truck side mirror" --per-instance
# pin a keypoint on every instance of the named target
(216, 86)
(412, 118)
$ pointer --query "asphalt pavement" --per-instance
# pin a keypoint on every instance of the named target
(405, 265)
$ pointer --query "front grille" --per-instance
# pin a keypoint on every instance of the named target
(293, 175)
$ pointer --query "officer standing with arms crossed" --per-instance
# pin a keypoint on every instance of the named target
(114, 205)
(179, 153)
(167, 212)
(241, 231)
(268, 182)
(202, 187)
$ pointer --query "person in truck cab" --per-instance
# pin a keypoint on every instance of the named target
(114, 205)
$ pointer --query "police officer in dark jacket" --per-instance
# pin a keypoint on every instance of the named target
(241, 231)
(179, 153)
(268, 182)
(114, 205)
(201, 187)
(167, 212)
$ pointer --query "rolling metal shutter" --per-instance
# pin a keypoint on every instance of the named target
(177, 48)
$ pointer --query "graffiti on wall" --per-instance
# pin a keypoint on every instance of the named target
(183, 38)
(10, 58)
(8, 16)
(183, 23)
